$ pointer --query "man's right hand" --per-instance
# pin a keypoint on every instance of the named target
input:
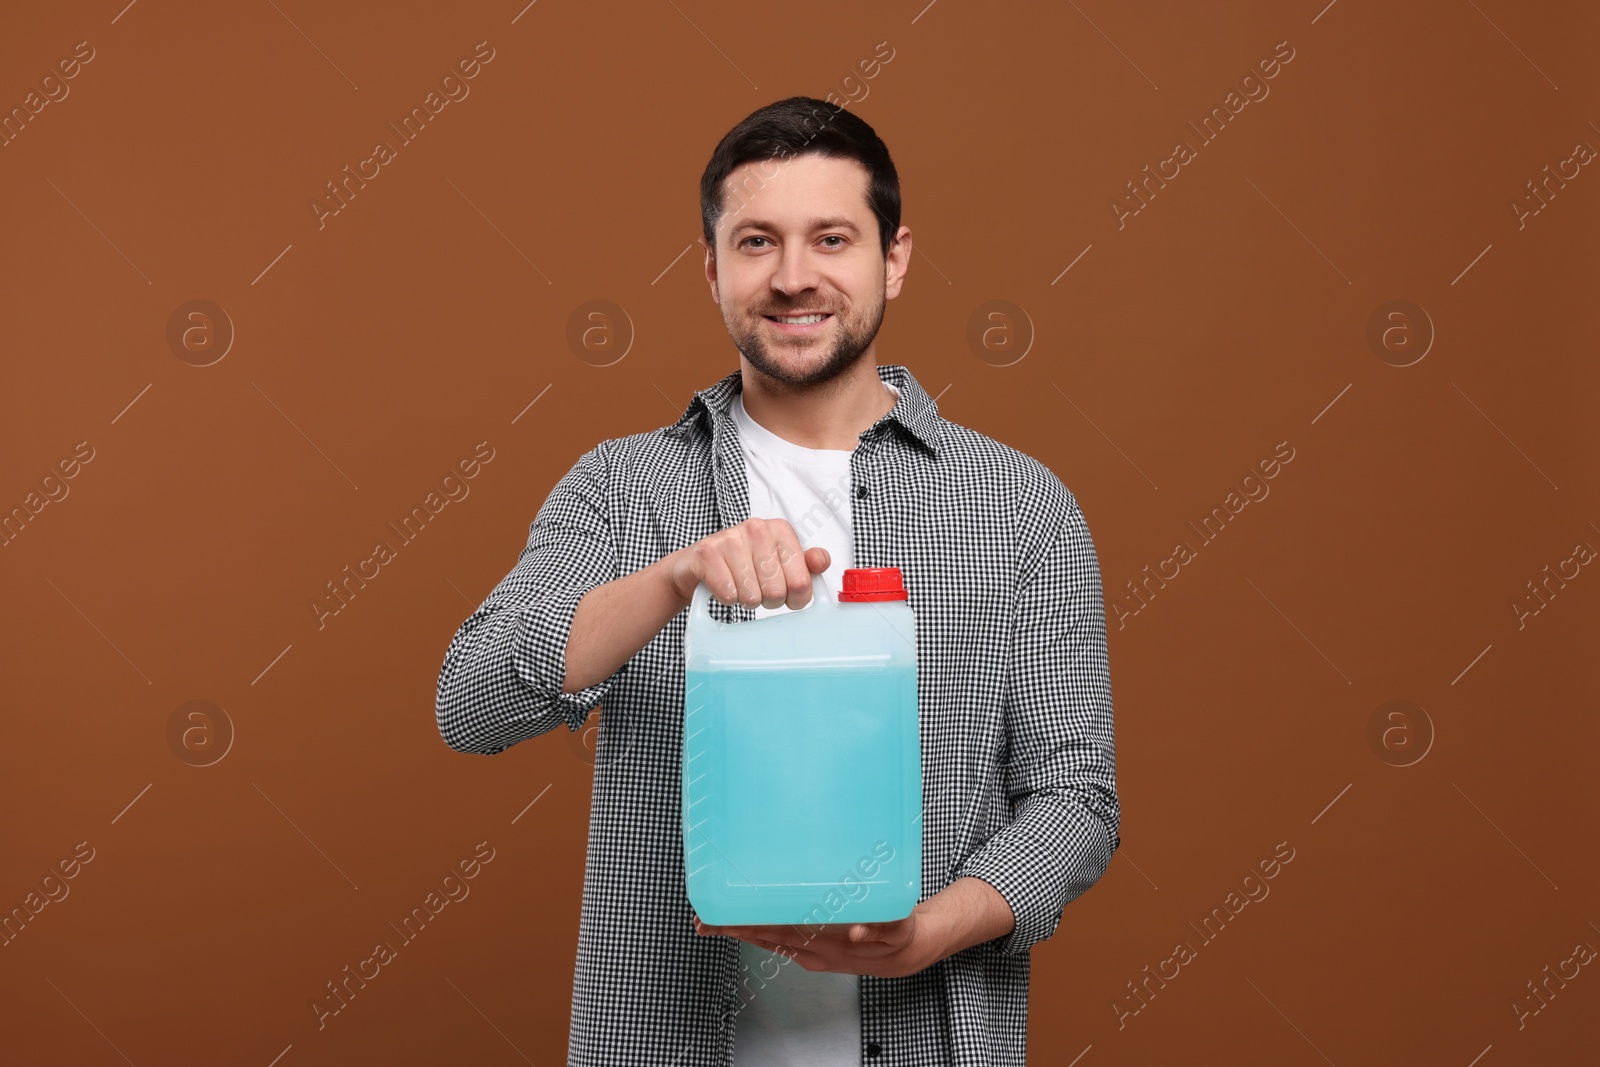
(758, 561)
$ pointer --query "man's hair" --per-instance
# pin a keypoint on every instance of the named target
(802, 125)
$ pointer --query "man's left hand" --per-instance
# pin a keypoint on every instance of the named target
(887, 950)
(965, 913)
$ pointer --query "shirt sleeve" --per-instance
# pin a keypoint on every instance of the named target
(1061, 771)
(504, 668)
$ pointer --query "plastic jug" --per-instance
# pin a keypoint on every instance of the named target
(802, 759)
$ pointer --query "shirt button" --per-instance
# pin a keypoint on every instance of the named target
(873, 1049)
(861, 492)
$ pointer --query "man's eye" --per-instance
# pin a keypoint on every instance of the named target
(747, 240)
(834, 237)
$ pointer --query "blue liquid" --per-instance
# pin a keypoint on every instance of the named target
(802, 793)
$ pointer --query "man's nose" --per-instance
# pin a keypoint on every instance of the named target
(796, 273)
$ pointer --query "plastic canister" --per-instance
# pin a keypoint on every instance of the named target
(802, 759)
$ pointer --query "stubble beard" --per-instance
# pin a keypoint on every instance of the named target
(855, 333)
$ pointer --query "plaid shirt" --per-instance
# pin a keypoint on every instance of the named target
(1013, 694)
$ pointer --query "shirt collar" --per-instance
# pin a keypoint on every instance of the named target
(914, 410)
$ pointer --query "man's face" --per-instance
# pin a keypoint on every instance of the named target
(798, 237)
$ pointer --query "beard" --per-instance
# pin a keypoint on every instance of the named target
(806, 361)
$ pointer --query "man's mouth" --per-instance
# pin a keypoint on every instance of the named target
(801, 321)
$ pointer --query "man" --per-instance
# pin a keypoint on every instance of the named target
(810, 458)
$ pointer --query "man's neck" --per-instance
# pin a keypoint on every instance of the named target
(831, 416)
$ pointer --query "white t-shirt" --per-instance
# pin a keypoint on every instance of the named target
(796, 1017)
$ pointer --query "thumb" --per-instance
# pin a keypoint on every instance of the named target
(813, 555)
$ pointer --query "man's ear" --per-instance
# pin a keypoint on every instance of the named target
(710, 268)
(896, 263)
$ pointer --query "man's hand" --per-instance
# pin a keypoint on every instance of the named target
(759, 561)
(888, 950)
(967, 912)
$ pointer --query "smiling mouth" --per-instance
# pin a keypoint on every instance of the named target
(812, 319)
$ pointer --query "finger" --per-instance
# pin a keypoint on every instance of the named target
(740, 554)
(813, 561)
(797, 570)
(714, 571)
(880, 933)
(767, 552)
(789, 934)
(743, 933)
(871, 933)
(796, 563)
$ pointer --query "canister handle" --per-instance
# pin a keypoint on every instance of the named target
(822, 598)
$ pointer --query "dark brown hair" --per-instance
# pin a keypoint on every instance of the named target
(797, 126)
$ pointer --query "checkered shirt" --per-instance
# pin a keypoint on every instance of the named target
(1013, 698)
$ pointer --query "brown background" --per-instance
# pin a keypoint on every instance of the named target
(372, 353)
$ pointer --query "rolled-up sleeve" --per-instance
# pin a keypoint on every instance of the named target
(1061, 770)
(504, 668)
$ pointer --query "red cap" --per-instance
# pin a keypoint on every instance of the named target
(872, 583)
